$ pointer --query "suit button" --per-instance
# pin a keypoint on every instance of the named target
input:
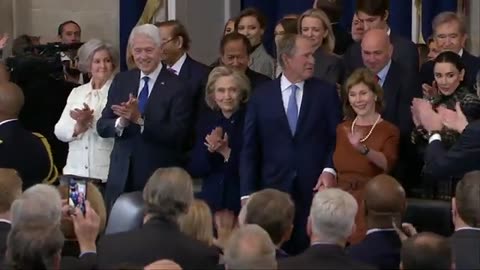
(86, 147)
(86, 167)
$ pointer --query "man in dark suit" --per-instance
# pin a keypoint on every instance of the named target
(235, 51)
(175, 46)
(148, 112)
(398, 89)
(20, 149)
(385, 203)
(463, 156)
(331, 222)
(426, 251)
(289, 134)
(450, 34)
(374, 14)
(272, 210)
(167, 195)
(466, 239)
(10, 188)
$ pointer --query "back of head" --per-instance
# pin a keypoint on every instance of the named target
(168, 193)
(197, 223)
(95, 198)
(10, 188)
(11, 100)
(332, 215)
(272, 210)
(250, 247)
(384, 199)
(34, 246)
(40, 203)
(426, 251)
(467, 199)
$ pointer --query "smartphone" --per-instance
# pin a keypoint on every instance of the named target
(77, 193)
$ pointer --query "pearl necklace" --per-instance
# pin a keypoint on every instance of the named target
(371, 130)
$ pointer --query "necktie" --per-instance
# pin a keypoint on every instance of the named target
(172, 70)
(143, 96)
(292, 109)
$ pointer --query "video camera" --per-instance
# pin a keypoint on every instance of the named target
(39, 61)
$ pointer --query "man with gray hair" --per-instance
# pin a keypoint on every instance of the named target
(250, 247)
(289, 134)
(450, 34)
(331, 222)
(148, 112)
(167, 195)
(36, 216)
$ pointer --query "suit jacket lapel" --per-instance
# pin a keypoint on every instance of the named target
(278, 107)
(185, 70)
(157, 87)
(305, 105)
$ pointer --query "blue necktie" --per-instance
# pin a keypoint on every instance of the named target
(292, 109)
(143, 96)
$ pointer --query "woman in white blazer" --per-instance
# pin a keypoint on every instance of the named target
(88, 153)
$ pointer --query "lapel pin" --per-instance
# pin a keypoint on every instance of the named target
(1, 141)
(162, 83)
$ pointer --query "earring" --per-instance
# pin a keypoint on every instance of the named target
(375, 98)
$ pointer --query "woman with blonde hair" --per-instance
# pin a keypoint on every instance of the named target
(215, 156)
(198, 222)
(315, 25)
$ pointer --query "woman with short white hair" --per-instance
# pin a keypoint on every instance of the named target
(88, 153)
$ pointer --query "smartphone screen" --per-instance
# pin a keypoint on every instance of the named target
(77, 193)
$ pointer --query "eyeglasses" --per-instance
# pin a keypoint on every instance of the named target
(166, 41)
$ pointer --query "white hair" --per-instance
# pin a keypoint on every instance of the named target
(39, 203)
(88, 50)
(250, 247)
(148, 30)
(333, 215)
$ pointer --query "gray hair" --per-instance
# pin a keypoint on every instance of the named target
(148, 30)
(250, 247)
(88, 50)
(39, 203)
(34, 246)
(449, 16)
(241, 81)
(168, 193)
(287, 46)
(333, 215)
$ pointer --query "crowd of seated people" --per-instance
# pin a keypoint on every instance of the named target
(303, 161)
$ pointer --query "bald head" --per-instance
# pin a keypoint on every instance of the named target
(384, 198)
(376, 49)
(11, 100)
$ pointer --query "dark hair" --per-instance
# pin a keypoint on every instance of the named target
(60, 27)
(290, 25)
(450, 57)
(467, 198)
(272, 210)
(178, 30)
(226, 24)
(251, 12)
(373, 7)
(426, 251)
(333, 9)
(234, 36)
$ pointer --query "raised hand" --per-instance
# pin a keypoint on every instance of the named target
(455, 120)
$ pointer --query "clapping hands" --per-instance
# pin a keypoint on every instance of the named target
(217, 141)
(128, 111)
(83, 117)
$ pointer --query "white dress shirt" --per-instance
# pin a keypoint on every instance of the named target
(88, 153)
(178, 65)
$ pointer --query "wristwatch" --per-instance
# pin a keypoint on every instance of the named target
(364, 151)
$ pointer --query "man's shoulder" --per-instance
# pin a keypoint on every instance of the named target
(197, 65)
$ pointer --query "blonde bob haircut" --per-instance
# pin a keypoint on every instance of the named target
(198, 222)
(241, 81)
(328, 43)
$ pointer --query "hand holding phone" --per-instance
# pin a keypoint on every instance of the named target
(77, 194)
